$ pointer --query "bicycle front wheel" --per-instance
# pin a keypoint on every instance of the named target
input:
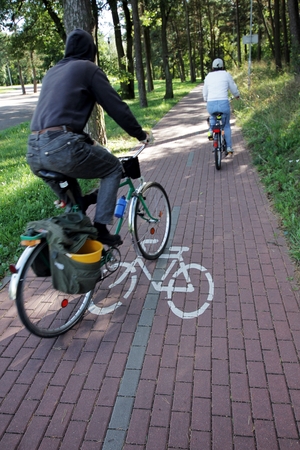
(43, 310)
(151, 220)
(218, 153)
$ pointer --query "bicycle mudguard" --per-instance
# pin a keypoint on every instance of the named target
(14, 281)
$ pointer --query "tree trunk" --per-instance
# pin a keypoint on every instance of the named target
(277, 35)
(200, 39)
(95, 15)
(295, 34)
(285, 32)
(21, 79)
(211, 51)
(149, 71)
(165, 56)
(179, 57)
(261, 11)
(78, 14)
(33, 73)
(147, 49)
(129, 50)
(188, 35)
(138, 55)
(119, 46)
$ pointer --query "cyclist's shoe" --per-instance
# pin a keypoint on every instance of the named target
(104, 236)
(229, 151)
(210, 135)
(112, 240)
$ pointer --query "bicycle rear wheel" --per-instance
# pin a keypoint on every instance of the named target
(43, 310)
(151, 220)
(218, 152)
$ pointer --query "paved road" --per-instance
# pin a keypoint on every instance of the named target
(16, 108)
(143, 377)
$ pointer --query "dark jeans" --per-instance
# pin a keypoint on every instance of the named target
(72, 155)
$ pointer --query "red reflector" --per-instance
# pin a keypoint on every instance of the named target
(64, 303)
(13, 269)
(215, 144)
(152, 231)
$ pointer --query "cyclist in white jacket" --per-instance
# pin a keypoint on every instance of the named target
(215, 92)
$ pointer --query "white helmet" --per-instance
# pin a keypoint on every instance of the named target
(218, 64)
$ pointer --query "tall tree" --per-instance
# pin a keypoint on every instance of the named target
(293, 8)
(285, 37)
(164, 11)
(138, 55)
(129, 50)
(52, 11)
(113, 4)
(147, 47)
(277, 45)
(188, 33)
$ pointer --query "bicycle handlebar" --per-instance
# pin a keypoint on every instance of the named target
(139, 150)
(143, 144)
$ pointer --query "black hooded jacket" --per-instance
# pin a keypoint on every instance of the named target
(71, 88)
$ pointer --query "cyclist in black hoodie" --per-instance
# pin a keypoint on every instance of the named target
(57, 141)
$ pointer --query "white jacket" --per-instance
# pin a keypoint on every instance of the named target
(217, 84)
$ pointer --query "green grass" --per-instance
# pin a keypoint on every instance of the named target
(269, 114)
(24, 197)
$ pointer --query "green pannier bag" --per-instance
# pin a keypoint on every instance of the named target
(66, 235)
(73, 277)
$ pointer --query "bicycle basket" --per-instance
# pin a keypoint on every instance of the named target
(131, 167)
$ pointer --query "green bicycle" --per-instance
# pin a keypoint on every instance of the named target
(47, 312)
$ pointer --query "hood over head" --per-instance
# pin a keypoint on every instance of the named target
(80, 45)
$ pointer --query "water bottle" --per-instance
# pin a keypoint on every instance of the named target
(120, 207)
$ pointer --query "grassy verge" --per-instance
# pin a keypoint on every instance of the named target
(269, 115)
(24, 197)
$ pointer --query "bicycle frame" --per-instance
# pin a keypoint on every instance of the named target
(132, 195)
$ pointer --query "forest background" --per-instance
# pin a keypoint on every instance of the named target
(158, 50)
(150, 39)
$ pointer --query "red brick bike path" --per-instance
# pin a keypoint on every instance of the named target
(223, 375)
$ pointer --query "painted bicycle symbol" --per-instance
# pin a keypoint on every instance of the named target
(179, 279)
